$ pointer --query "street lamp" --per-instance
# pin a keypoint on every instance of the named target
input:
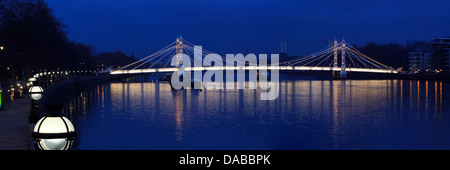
(32, 80)
(1, 93)
(53, 131)
(35, 93)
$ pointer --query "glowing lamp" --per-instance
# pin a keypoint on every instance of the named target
(36, 92)
(53, 132)
(31, 81)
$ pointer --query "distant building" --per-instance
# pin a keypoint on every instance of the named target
(283, 56)
(283, 50)
(426, 56)
(441, 54)
(419, 56)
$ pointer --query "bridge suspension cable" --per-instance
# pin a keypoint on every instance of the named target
(325, 59)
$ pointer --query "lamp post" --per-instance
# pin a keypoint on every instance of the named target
(53, 131)
(36, 93)
(1, 89)
(1, 93)
(32, 80)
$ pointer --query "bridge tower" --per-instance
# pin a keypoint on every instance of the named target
(343, 66)
(179, 52)
(335, 49)
(335, 60)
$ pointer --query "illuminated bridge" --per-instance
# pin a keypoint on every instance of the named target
(338, 57)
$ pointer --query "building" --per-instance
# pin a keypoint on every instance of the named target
(283, 50)
(434, 56)
(419, 56)
(441, 54)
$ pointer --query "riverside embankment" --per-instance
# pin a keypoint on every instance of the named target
(15, 128)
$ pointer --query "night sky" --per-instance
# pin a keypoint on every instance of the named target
(253, 26)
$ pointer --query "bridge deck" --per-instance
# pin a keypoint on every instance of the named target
(304, 68)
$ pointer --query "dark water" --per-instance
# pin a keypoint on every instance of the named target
(308, 114)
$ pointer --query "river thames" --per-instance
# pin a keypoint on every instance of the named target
(309, 113)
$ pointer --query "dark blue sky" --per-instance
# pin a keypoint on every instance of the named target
(253, 26)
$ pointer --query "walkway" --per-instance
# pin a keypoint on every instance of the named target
(14, 126)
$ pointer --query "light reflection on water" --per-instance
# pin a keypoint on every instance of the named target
(308, 114)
